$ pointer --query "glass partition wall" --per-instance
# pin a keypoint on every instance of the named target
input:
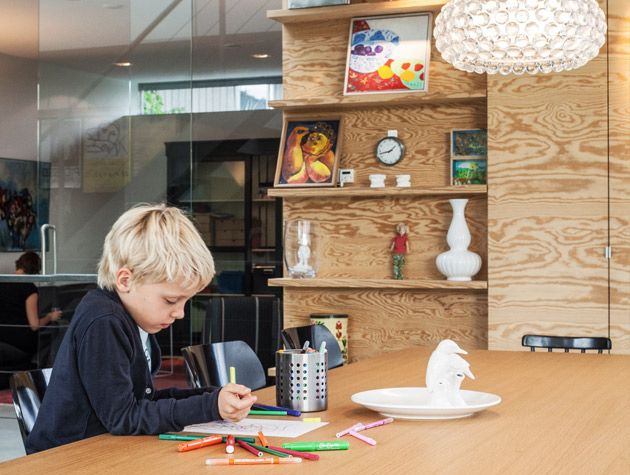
(120, 81)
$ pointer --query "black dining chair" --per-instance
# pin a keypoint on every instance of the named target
(295, 337)
(209, 364)
(27, 390)
(567, 343)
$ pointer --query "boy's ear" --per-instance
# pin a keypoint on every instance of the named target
(124, 278)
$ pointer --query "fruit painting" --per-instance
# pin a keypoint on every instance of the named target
(309, 152)
(389, 54)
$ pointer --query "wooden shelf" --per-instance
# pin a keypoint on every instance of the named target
(374, 100)
(351, 192)
(350, 283)
(323, 14)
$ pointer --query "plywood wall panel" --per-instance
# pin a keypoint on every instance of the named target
(619, 114)
(547, 205)
(388, 320)
(356, 233)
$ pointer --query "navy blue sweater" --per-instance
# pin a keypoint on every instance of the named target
(101, 383)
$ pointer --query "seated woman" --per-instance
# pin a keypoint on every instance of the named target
(19, 312)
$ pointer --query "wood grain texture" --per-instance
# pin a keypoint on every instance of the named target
(547, 205)
(357, 8)
(388, 320)
(354, 283)
(560, 413)
(352, 189)
(355, 234)
(619, 137)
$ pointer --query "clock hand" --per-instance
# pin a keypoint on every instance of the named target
(390, 150)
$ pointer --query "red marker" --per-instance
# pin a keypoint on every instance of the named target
(229, 444)
(249, 448)
(197, 444)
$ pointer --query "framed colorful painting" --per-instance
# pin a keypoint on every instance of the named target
(309, 152)
(469, 143)
(468, 172)
(24, 198)
(389, 54)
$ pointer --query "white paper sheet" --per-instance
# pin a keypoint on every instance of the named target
(269, 427)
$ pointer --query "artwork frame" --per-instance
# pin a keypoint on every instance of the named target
(469, 143)
(314, 134)
(24, 203)
(388, 54)
(469, 171)
(295, 4)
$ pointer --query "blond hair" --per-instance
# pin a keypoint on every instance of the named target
(157, 244)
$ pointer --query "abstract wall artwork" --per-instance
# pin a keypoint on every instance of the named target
(24, 201)
(389, 54)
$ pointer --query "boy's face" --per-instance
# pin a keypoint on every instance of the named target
(154, 307)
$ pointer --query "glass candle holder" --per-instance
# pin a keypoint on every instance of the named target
(301, 248)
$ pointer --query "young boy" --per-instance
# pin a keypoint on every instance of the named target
(153, 261)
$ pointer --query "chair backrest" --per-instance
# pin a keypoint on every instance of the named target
(295, 337)
(255, 319)
(209, 364)
(27, 390)
(567, 343)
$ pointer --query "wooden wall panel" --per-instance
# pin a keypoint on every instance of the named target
(619, 115)
(315, 55)
(547, 205)
(356, 233)
(388, 320)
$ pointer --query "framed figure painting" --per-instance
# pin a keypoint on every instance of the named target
(389, 54)
(309, 152)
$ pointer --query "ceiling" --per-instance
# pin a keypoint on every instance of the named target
(163, 39)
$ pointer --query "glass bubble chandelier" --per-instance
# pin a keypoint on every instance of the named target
(519, 36)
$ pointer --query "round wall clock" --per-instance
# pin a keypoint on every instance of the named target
(390, 150)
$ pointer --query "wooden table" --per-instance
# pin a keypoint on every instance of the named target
(561, 413)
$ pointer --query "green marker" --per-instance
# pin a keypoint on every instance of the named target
(258, 412)
(312, 446)
(195, 437)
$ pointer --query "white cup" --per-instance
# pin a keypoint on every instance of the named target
(377, 181)
(403, 181)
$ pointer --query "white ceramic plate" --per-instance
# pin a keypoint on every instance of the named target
(413, 403)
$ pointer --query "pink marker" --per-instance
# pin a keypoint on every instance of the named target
(382, 422)
(357, 426)
(365, 439)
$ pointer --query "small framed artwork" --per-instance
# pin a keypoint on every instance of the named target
(309, 152)
(468, 171)
(315, 3)
(389, 54)
(470, 143)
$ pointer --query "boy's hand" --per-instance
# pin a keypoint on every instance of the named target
(235, 400)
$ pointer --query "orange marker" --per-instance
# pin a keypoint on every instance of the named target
(263, 439)
(197, 444)
(229, 444)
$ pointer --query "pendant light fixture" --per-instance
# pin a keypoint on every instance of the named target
(519, 36)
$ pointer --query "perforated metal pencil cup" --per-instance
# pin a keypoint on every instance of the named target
(302, 380)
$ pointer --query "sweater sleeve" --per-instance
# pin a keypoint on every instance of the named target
(104, 356)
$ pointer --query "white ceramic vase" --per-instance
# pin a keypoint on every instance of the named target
(458, 264)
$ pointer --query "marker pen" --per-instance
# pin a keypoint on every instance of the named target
(197, 444)
(311, 446)
(229, 444)
(364, 438)
(258, 461)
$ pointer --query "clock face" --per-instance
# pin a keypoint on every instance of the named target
(390, 150)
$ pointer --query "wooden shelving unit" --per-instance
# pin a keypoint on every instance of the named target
(322, 14)
(357, 223)
(351, 192)
(375, 100)
(352, 283)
